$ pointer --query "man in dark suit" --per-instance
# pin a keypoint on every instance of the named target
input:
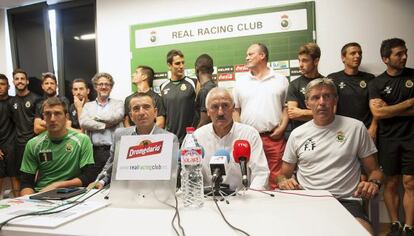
(143, 113)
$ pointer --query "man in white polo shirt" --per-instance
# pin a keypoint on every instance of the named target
(260, 102)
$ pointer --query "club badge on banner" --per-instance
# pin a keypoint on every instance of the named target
(145, 157)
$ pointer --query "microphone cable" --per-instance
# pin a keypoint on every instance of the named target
(224, 218)
(262, 191)
(177, 216)
(51, 210)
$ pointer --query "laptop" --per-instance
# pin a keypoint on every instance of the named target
(59, 194)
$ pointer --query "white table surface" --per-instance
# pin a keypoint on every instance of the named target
(254, 212)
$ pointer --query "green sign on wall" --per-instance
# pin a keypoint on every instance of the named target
(225, 37)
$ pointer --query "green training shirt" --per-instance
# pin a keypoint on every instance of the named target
(56, 160)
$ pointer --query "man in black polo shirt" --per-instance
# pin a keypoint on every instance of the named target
(204, 70)
(352, 85)
(80, 92)
(392, 104)
(49, 87)
(178, 95)
(142, 78)
(309, 55)
(7, 133)
(23, 111)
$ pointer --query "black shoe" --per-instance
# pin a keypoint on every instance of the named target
(395, 229)
(408, 231)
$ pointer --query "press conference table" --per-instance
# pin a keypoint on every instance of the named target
(287, 213)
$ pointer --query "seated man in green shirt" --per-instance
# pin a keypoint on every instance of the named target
(61, 157)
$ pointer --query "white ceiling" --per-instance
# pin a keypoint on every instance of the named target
(6, 4)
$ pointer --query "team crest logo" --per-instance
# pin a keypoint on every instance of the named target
(15, 106)
(409, 83)
(303, 90)
(340, 137)
(183, 87)
(153, 36)
(145, 148)
(388, 90)
(362, 84)
(285, 22)
(69, 147)
(28, 104)
(342, 85)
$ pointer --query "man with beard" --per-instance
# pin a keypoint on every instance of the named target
(80, 92)
(392, 104)
(49, 87)
(23, 111)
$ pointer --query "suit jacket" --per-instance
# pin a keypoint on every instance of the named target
(117, 137)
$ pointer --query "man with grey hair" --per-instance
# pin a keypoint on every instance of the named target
(101, 117)
(221, 133)
(326, 151)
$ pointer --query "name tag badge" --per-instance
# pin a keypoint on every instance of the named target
(45, 156)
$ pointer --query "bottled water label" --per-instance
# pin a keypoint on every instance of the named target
(191, 157)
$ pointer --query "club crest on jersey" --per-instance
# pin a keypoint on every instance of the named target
(303, 90)
(28, 104)
(183, 87)
(362, 84)
(342, 85)
(388, 90)
(409, 83)
(340, 137)
(68, 147)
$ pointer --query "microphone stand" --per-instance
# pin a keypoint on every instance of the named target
(216, 190)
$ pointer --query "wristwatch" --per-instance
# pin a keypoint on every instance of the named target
(376, 181)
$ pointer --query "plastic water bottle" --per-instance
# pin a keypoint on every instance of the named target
(191, 176)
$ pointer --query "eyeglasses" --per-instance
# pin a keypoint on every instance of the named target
(104, 84)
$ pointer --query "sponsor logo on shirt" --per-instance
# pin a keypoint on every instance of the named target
(340, 137)
(68, 147)
(303, 90)
(388, 90)
(409, 83)
(342, 85)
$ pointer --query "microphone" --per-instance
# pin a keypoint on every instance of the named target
(241, 155)
(218, 164)
(107, 169)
